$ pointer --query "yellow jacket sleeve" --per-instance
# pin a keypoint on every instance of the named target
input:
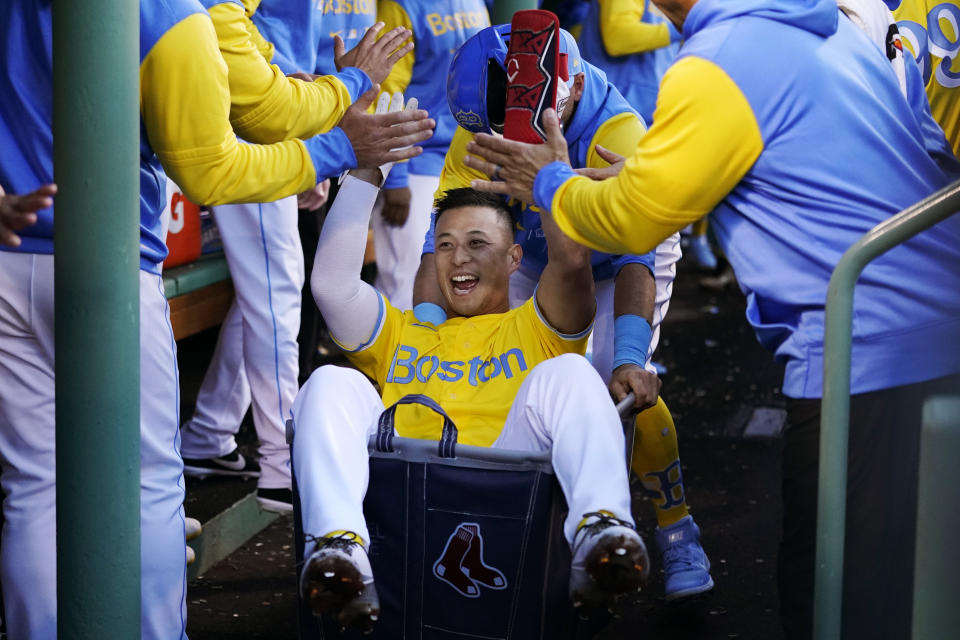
(185, 103)
(623, 32)
(455, 174)
(264, 46)
(267, 106)
(704, 139)
(393, 15)
(619, 134)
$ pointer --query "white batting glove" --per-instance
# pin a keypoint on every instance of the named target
(392, 104)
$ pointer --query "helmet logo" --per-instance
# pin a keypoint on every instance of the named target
(513, 68)
(468, 119)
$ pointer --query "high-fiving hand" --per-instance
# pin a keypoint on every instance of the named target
(382, 138)
(387, 105)
(516, 164)
(19, 212)
(372, 56)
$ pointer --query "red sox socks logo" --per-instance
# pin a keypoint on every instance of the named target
(461, 564)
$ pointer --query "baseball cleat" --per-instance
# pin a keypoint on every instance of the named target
(609, 559)
(232, 464)
(275, 500)
(337, 581)
(686, 567)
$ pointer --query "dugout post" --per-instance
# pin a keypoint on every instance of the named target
(835, 408)
(96, 132)
(503, 10)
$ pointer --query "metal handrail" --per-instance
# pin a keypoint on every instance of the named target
(835, 408)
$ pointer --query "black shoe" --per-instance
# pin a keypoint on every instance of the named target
(275, 500)
(232, 464)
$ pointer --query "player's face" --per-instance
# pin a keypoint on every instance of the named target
(475, 255)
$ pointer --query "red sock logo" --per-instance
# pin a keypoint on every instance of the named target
(461, 563)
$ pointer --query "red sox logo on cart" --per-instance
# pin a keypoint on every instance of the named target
(461, 563)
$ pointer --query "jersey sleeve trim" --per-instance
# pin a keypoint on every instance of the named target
(569, 337)
(377, 329)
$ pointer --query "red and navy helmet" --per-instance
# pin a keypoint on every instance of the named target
(477, 79)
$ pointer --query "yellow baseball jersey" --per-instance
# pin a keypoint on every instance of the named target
(472, 367)
(930, 29)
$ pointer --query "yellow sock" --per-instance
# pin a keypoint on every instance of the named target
(656, 461)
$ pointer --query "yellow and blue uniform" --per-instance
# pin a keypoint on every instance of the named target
(265, 105)
(349, 20)
(931, 31)
(602, 117)
(634, 44)
(191, 137)
(750, 140)
(472, 366)
(439, 28)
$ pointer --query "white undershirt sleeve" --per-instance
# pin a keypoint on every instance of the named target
(350, 306)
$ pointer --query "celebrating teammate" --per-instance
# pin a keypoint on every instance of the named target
(507, 378)
(759, 86)
(631, 301)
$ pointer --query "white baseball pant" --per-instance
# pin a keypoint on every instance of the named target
(398, 248)
(256, 358)
(337, 409)
(27, 435)
(522, 286)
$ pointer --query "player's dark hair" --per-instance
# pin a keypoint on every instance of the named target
(467, 197)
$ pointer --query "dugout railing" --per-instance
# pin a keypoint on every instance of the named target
(937, 583)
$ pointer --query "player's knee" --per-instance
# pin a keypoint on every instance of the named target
(327, 384)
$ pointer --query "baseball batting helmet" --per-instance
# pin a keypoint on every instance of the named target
(477, 79)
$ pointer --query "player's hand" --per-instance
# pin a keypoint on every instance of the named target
(378, 139)
(313, 199)
(19, 212)
(616, 165)
(644, 385)
(515, 164)
(372, 56)
(396, 206)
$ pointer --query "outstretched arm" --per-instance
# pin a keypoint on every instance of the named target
(351, 307)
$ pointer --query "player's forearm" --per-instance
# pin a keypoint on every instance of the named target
(565, 294)
(623, 32)
(266, 105)
(349, 306)
(635, 292)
